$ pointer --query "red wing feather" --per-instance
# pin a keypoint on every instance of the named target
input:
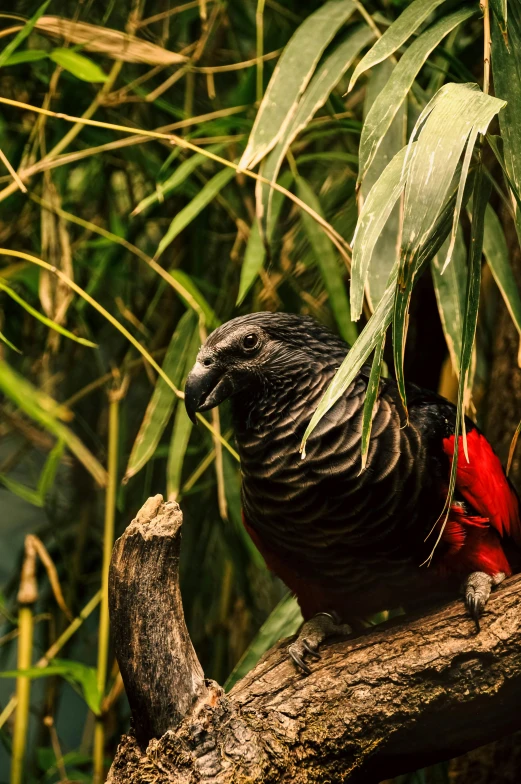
(483, 484)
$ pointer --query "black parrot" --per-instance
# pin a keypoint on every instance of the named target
(347, 542)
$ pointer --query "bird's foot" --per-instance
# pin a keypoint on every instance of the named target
(477, 588)
(312, 634)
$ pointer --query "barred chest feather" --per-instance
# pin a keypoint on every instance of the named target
(321, 514)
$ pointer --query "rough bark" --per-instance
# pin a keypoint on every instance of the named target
(398, 698)
(160, 669)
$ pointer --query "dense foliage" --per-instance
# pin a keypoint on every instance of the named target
(138, 143)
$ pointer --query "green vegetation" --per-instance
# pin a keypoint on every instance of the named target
(164, 167)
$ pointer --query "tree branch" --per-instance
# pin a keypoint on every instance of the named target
(402, 696)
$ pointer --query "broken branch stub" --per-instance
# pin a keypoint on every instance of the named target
(160, 670)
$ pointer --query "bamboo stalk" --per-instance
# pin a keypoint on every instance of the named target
(55, 649)
(108, 541)
(259, 23)
(27, 596)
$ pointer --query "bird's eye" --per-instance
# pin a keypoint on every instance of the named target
(250, 341)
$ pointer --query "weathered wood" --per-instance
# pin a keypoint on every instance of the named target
(161, 673)
(395, 699)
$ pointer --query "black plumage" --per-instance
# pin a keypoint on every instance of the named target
(354, 539)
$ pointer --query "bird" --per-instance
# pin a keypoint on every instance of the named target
(348, 542)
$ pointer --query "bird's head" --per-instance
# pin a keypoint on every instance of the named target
(246, 352)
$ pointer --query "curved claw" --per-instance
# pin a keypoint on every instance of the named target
(298, 660)
(474, 609)
(477, 590)
(312, 651)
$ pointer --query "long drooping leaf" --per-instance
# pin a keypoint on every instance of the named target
(381, 318)
(375, 211)
(370, 398)
(181, 430)
(392, 96)
(451, 121)
(450, 288)
(26, 30)
(327, 262)
(291, 76)
(496, 145)
(183, 171)
(255, 254)
(385, 251)
(396, 35)
(254, 257)
(495, 250)
(162, 402)
(283, 622)
(44, 320)
(480, 198)
(192, 210)
(506, 69)
(327, 76)
(46, 412)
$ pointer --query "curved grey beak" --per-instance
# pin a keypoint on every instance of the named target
(205, 388)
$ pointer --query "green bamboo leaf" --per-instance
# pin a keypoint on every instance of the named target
(371, 395)
(374, 214)
(396, 35)
(181, 430)
(450, 288)
(183, 171)
(8, 343)
(192, 210)
(232, 483)
(163, 399)
(506, 69)
(46, 412)
(254, 257)
(394, 93)
(449, 123)
(324, 253)
(255, 254)
(76, 673)
(500, 10)
(205, 311)
(45, 482)
(480, 198)
(284, 621)
(29, 56)
(496, 145)
(11, 47)
(48, 475)
(385, 251)
(22, 491)
(44, 320)
(327, 76)
(381, 318)
(495, 250)
(78, 65)
(291, 76)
